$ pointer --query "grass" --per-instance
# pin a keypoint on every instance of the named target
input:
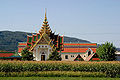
(56, 78)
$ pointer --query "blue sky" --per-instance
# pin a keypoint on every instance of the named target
(93, 20)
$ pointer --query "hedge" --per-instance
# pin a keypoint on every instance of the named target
(52, 74)
(111, 69)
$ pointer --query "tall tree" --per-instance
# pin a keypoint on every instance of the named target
(106, 51)
(26, 54)
(55, 56)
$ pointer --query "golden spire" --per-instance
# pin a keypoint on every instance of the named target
(45, 16)
(45, 20)
(45, 26)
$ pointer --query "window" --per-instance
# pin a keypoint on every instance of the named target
(45, 46)
(66, 56)
(89, 52)
(43, 53)
(72, 55)
(42, 46)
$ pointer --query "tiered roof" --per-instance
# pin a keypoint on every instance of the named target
(21, 46)
(45, 27)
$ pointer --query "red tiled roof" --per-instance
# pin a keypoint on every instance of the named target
(21, 46)
(94, 59)
(20, 49)
(67, 49)
(6, 54)
(80, 44)
(77, 50)
(24, 44)
(71, 47)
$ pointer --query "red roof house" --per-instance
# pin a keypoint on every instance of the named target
(85, 51)
(9, 55)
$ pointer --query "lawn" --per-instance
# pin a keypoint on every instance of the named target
(56, 78)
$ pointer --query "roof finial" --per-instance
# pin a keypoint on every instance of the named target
(45, 15)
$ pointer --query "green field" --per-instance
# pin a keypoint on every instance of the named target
(59, 69)
(56, 78)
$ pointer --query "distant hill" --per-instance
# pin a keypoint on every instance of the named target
(76, 40)
(9, 40)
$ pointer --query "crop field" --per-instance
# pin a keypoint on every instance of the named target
(59, 69)
(56, 78)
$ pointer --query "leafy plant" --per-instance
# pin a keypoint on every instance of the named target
(55, 56)
(26, 54)
(106, 51)
(52, 74)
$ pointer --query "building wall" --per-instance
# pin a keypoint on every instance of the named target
(39, 50)
(118, 58)
(72, 50)
(71, 57)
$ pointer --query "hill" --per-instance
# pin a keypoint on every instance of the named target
(9, 40)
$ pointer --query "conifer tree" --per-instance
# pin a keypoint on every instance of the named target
(26, 54)
(55, 56)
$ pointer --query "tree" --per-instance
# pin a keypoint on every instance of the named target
(55, 56)
(106, 51)
(26, 54)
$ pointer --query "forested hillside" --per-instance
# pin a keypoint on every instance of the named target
(9, 40)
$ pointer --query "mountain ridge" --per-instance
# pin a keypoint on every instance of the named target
(9, 39)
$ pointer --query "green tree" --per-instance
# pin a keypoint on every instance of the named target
(55, 56)
(106, 51)
(26, 54)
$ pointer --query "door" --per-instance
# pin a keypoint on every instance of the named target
(42, 57)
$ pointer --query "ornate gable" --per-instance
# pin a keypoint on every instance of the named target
(42, 41)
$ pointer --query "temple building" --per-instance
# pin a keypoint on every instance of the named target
(42, 43)
(45, 42)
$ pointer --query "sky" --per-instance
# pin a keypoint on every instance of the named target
(97, 21)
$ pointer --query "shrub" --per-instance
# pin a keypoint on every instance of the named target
(52, 74)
